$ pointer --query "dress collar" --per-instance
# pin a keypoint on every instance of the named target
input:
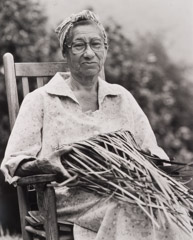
(58, 86)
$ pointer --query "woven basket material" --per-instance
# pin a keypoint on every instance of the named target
(114, 165)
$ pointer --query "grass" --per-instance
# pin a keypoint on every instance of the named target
(5, 235)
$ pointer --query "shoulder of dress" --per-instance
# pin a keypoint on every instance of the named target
(120, 89)
(39, 92)
(111, 88)
(36, 98)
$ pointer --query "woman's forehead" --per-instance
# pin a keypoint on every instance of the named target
(85, 31)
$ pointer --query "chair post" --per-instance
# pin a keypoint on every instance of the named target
(51, 226)
(11, 87)
(23, 210)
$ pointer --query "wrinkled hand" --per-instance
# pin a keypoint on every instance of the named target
(52, 163)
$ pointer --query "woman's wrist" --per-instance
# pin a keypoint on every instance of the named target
(27, 167)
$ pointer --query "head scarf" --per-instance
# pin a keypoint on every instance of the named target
(63, 29)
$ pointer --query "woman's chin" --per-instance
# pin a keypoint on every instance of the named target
(91, 72)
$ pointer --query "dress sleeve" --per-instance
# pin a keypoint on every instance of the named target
(143, 132)
(25, 139)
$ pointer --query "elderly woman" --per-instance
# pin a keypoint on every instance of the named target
(72, 108)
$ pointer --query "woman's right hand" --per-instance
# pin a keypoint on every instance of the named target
(49, 164)
(52, 163)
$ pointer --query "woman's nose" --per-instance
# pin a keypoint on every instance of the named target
(88, 51)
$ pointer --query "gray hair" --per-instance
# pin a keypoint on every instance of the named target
(64, 28)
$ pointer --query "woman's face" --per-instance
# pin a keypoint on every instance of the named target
(89, 62)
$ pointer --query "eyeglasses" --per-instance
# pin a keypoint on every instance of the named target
(80, 46)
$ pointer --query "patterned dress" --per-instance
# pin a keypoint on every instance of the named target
(51, 117)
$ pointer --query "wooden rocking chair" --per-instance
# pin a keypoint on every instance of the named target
(34, 226)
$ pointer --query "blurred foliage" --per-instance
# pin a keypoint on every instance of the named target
(23, 31)
(143, 67)
(158, 84)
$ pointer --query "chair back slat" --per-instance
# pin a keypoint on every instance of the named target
(40, 81)
(25, 86)
(47, 69)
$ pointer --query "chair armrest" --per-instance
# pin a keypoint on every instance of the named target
(34, 179)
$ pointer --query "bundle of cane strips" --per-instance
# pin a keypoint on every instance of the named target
(114, 165)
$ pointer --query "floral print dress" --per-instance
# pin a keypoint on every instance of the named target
(50, 117)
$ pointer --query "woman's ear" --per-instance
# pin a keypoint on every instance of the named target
(65, 55)
(105, 55)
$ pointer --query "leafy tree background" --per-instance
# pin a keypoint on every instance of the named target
(143, 67)
(158, 84)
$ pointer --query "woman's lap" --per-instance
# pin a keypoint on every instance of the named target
(111, 219)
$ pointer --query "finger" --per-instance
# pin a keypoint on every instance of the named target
(62, 170)
(65, 173)
(68, 181)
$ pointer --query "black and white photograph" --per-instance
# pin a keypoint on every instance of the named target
(96, 120)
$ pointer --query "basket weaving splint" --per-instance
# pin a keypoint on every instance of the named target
(114, 165)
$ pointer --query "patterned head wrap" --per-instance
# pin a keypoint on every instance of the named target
(63, 29)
